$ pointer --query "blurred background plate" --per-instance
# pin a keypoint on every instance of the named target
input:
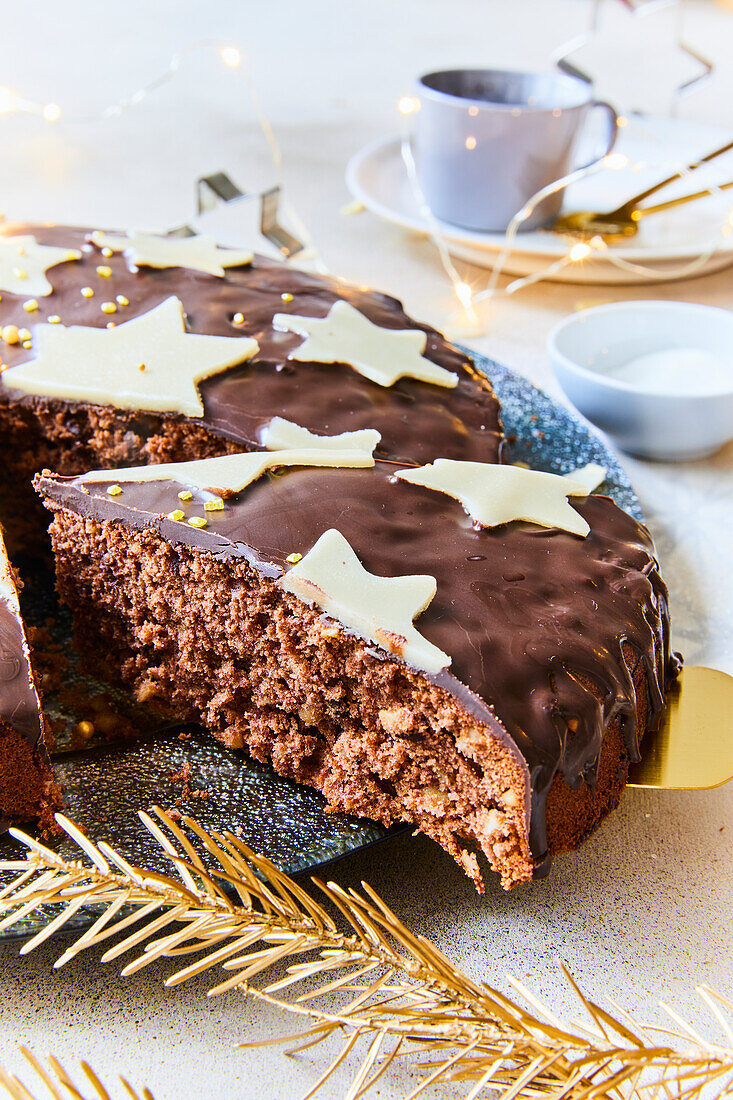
(185, 769)
(655, 148)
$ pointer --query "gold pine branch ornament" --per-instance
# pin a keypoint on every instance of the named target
(59, 1085)
(397, 995)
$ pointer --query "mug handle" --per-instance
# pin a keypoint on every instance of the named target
(612, 131)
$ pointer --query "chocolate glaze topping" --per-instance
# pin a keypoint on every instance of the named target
(535, 620)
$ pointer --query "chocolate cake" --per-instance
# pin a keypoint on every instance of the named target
(27, 790)
(504, 719)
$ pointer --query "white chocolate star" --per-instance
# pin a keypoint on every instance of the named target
(383, 355)
(493, 494)
(24, 262)
(591, 475)
(380, 609)
(199, 253)
(284, 435)
(148, 363)
(232, 473)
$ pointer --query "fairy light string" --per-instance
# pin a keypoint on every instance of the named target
(466, 297)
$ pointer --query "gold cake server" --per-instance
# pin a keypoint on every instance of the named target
(693, 748)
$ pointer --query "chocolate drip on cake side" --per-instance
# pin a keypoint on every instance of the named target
(19, 704)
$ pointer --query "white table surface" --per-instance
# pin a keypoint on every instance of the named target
(643, 910)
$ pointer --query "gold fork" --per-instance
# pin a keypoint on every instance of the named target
(624, 220)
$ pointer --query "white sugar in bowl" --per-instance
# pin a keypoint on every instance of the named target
(655, 376)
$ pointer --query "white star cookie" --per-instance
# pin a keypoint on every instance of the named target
(148, 363)
(24, 263)
(228, 474)
(383, 355)
(493, 494)
(380, 609)
(284, 435)
(199, 253)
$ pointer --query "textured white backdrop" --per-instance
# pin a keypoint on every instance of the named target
(643, 910)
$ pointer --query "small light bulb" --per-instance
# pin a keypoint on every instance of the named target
(52, 112)
(622, 121)
(470, 143)
(579, 251)
(408, 105)
(231, 56)
(615, 161)
(464, 294)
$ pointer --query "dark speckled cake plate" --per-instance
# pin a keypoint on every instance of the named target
(288, 823)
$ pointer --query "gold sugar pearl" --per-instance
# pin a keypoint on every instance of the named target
(177, 515)
(24, 334)
(197, 521)
(142, 365)
(108, 307)
(87, 292)
(111, 324)
(122, 300)
(27, 343)
(293, 559)
(214, 505)
(20, 273)
(286, 297)
(185, 494)
(104, 272)
(114, 490)
(54, 319)
(107, 252)
(86, 729)
(11, 334)
(30, 306)
(238, 319)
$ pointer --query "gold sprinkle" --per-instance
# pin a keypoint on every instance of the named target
(107, 252)
(122, 300)
(87, 292)
(293, 559)
(177, 515)
(10, 334)
(20, 273)
(185, 494)
(24, 333)
(54, 319)
(197, 521)
(104, 272)
(114, 490)
(20, 250)
(111, 324)
(142, 365)
(30, 306)
(238, 319)
(286, 297)
(27, 343)
(214, 505)
(108, 307)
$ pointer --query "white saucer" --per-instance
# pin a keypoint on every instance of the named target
(666, 242)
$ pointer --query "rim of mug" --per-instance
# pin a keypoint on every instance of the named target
(564, 78)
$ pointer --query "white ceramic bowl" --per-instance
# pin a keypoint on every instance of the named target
(655, 376)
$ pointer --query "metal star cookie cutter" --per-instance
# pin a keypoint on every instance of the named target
(562, 58)
(219, 188)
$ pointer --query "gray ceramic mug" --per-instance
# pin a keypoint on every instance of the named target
(486, 140)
